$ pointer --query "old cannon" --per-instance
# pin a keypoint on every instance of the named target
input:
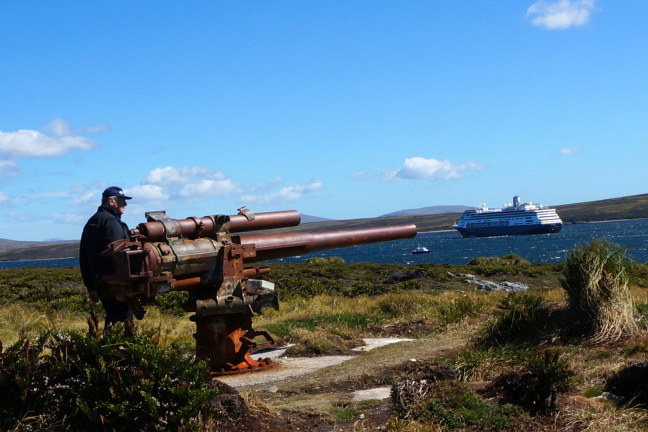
(210, 259)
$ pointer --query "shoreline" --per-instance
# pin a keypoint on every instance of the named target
(38, 259)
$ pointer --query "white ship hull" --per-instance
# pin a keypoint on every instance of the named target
(516, 219)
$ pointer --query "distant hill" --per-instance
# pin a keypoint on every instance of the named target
(442, 209)
(629, 207)
(312, 219)
(46, 250)
(16, 244)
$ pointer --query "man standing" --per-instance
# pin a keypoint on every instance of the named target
(103, 228)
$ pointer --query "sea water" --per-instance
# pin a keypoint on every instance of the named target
(59, 262)
(448, 247)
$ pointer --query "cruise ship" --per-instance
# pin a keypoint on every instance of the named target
(516, 219)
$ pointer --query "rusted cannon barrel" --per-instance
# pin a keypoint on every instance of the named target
(274, 246)
(263, 221)
(208, 226)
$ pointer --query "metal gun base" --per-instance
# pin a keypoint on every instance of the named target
(226, 342)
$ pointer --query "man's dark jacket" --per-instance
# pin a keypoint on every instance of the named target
(103, 228)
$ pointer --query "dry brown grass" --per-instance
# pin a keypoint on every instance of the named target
(596, 415)
(20, 319)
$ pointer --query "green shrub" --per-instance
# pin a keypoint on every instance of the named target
(172, 302)
(324, 260)
(100, 382)
(400, 305)
(638, 274)
(593, 392)
(536, 386)
(488, 266)
(362, 288)
(450, 404)
(523, 320)
(44, 287)
(484, 364)
(456, 310)
(352, 280)
(337, 323)
(344, 413)
(548, 374)
(303, 286)
(312, 343)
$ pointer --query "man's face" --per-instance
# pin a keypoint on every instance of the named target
(118, 204)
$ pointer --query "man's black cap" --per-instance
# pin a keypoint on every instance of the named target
(115, 191)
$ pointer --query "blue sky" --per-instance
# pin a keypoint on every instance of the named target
(339, 109)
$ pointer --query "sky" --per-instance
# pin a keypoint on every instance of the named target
(338, 109)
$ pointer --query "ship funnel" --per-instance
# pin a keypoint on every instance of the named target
(516, 201)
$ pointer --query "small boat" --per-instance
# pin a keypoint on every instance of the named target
(420, 250)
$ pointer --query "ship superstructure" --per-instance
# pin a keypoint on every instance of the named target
(513, 219)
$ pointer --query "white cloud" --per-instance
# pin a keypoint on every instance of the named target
(568, 151)
(60, 128)
(189, 182)
(93, 129)
(164, 176)
(89, 196)
(210, 187)
(186, 183)
(148, 193)
(58, 140)
(70, 219)
(285, 194)
(4, 197)
(363, 175)
(19, 216)
(560, 14)
(8, 168)
(418, 168)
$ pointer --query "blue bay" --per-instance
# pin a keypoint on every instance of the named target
(448, 247)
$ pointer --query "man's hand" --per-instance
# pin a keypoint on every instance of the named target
(94, 296)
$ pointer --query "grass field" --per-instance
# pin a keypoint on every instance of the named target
(485, 360)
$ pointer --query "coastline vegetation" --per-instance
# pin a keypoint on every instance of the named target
(544, 359)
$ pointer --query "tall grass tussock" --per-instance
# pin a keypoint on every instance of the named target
(597, 284)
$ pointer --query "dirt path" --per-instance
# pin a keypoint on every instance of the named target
(292, 367)
(337, 392)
